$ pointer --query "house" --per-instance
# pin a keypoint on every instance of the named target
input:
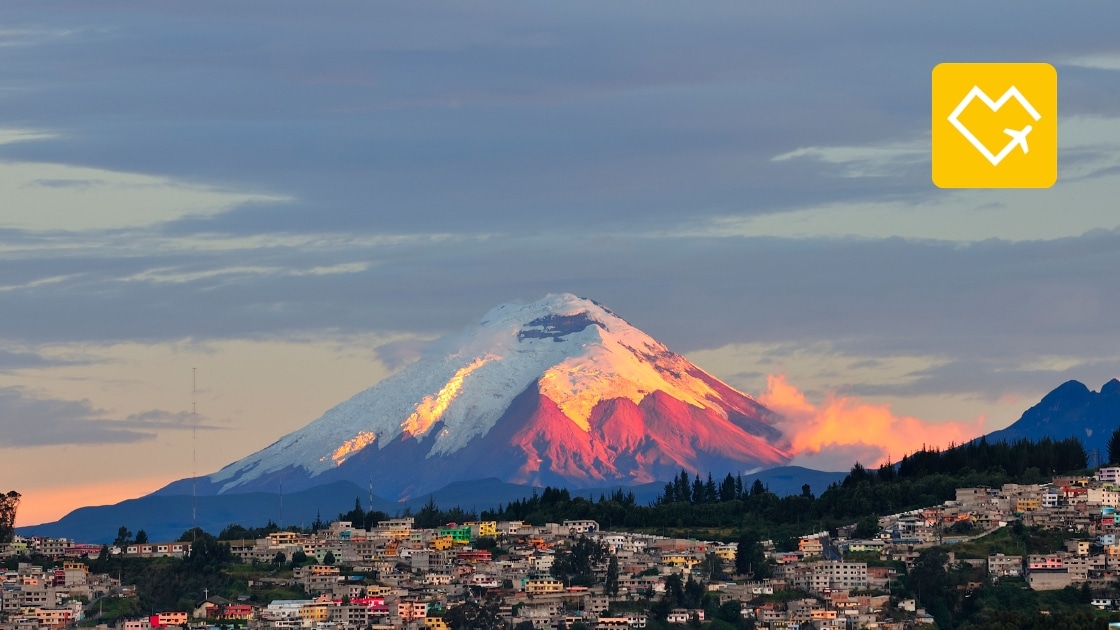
(1000, 565)
(460, 535)
(410, 610)
(681, 615)
(581, 526)
(543, 586)
(159, 550)
(164, 619)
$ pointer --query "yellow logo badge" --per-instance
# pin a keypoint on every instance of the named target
(995, 125)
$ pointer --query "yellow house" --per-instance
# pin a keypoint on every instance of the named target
(436, 623)
(543, 586)
(277, 539)
(1027, 505)
(442, 543)
(177, 618)
(315, 611)
(725, 553)
(54, 617)
(680, 560)
(488, 528)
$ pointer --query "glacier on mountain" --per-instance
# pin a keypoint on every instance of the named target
(575, 350)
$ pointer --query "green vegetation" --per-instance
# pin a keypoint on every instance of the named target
(721, 511)
(1114, 447)
(179, 584)
(1015, 540)
(750, 558)
(576, 564)
(960, 598)
(475, 615)
(429, 516)
(9, 503)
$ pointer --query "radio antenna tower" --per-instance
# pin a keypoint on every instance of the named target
(194, 449)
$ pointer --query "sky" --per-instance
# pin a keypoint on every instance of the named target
(280, 199)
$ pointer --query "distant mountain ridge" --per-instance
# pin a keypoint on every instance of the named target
(1070, 410)
(166, 517)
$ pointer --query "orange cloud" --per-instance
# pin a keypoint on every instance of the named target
(846, 427)
(50, 503)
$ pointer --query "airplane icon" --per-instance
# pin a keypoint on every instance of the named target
(1018, 137)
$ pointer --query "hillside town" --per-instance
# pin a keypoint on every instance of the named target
(398, 576)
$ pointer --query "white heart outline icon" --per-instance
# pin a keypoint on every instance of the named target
(976, 92)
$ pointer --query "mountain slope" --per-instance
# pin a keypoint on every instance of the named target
(561, 391)
(1071, 410)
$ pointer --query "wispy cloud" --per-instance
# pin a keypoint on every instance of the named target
(1101, 61)
(31, 36)
(12, 136)
(887, 160)
(397, 354)
(43, 196)
(23, 360)
(29, 421)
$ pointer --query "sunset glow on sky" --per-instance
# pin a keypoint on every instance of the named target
(297, 198)
(842, 430)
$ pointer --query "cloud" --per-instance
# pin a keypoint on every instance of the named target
(32, 36)
(43, 196)
(11, 136)
(843, 427)
(522, 119)
(992, 380)
(26, 421)
(1004, 301)
(397, 354)
(1102, 61)
(23, 360)
(400, 171)
(888, 160)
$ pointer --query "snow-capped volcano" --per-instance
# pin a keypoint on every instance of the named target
(561, 391)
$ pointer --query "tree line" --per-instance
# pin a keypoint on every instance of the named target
(926, 477)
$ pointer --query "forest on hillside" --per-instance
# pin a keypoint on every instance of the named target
(724, 508)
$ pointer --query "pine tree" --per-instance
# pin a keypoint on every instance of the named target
(749, 558)
(682, 485)
(124, 536)
(697, 490)
(611, 586)
(1114, 447)
(727, 489)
